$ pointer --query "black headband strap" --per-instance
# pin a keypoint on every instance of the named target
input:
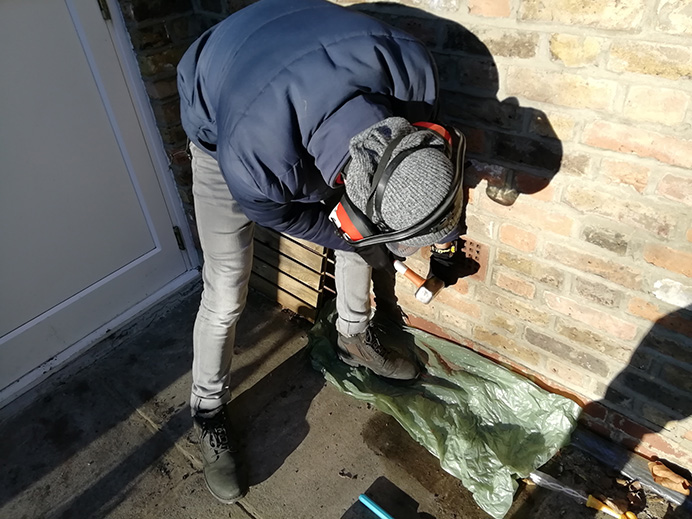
(422, 227)
(375, 200)
(379, 171)
(384, 170)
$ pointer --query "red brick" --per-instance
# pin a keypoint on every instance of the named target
(673, 321)
(676, 188)
(480, 253)
(601, 320)
(461, 287)
(628, 426)
(518, 238)
(538, 187)
(645, 452)
(515, 285)
(423, 324)
(622, 172)
(601, 429)
(644, 309)
(529, 212)
(455, 301)
(658, 443)
(669, 259)
(639, 141)
(475, 139)
(596, 410)
(607, 269)
(493, 8)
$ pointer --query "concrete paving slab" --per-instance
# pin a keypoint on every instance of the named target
(313, 451)
(114, 439)
(70, 458)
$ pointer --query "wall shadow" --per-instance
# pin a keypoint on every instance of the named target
(514, 148)
(657, 385)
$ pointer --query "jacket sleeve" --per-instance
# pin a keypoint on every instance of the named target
(305, 221)
(267, 202)
(270, 206)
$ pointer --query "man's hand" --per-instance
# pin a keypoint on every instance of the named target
(378, 257)
(449, 263)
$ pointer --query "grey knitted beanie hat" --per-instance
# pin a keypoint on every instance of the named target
(416, 187)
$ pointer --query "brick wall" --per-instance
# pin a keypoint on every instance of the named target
(582, 109)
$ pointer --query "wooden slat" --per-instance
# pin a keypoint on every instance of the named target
(293, 251)
(283, 298)
(289, 270)
(273, 239)
(286, 282)
(288, 265)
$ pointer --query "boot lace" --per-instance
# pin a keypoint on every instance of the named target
(373, 342)
(215, 434)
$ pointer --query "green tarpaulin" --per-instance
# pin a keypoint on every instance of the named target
(486, 425)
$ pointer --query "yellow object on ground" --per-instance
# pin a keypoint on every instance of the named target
(596, 504)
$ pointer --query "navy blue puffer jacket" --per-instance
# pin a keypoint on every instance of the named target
(276, 91)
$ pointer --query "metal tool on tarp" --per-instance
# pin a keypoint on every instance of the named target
(544, 480)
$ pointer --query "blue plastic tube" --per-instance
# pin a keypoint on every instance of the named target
(374, 507)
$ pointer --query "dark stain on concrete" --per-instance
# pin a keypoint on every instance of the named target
(385, 437)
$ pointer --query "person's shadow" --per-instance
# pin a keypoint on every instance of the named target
(656, 384)
(513, 148)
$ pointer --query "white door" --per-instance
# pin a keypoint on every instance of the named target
(85, 233)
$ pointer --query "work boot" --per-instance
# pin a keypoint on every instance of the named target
(364, 349)
(224, 472)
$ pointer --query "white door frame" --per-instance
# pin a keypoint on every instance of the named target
(124, 50)
(125, 53)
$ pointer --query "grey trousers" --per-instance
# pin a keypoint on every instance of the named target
(226, 236)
